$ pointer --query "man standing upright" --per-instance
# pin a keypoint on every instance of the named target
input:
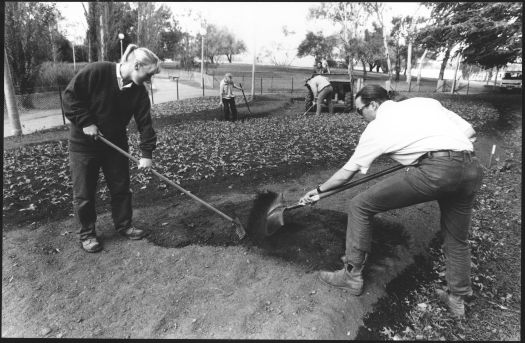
(101, 99)
(227, 99)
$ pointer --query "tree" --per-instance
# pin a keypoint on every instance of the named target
(25, 46)
(491, 33)
(377, 9)
(351, 17)
(373, 54)
(317, 45)
(233, 46)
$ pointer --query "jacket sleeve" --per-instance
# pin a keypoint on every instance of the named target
(142, 116)
(75, 100)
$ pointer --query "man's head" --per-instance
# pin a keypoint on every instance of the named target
(228, 77)
(139, 64)
(368, 100)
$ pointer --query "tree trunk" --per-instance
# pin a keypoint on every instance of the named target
(445, 61)
(364, 69)
(53, 45)
(453, 88)
(10, 99)
(408, 69)
(387, 55)
(420, 66)
(350, 103)
(86, 14)
(496, 77)
(102, 43)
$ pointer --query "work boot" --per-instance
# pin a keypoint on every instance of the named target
(91, 245)
(454, 303)
(350, 278)
(133, 233)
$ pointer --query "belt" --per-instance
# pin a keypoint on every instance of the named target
(449, 153)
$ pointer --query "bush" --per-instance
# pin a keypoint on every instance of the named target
(51, 74)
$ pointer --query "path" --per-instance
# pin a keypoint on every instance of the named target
(164, 91)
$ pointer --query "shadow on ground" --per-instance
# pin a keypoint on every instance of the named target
(312, 238)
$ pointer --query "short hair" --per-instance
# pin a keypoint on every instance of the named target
(377, 93)
(228, 75)
(142, 55)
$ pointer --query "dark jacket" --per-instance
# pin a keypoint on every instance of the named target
(93, 97)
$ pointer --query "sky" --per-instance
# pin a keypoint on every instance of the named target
(258, 24)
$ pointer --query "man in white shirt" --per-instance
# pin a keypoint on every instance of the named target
(436, 146)
(322, 89)
(227, 99)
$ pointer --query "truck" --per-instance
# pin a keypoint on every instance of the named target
(342, 97)
(511, 81)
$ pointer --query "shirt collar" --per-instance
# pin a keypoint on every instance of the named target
(120, 80)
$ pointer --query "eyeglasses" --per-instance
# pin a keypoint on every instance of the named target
(360, 110)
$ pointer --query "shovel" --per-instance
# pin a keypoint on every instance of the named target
(239, 229)
(246, 101)
(275, 217)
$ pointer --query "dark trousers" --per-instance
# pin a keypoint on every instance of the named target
(452, 181)
(230, 111)
(85, 167)
(325, 93)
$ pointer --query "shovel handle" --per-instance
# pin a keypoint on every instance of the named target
(166, 179)
(350, 184)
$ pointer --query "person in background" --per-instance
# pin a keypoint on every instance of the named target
(326, 68)
(100, 100)
(436, 146)
(226, 97)
(321, 89)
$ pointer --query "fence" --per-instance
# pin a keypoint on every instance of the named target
(47, 102)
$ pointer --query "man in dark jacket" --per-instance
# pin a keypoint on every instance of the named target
(101, 99)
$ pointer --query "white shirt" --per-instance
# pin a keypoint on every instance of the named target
(408, 129)
(119, 78)
(317, 83)
(226, 89)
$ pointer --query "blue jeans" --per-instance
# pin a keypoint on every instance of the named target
(85, 168)
(452, 181)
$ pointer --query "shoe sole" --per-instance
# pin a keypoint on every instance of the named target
(93, 250)
(350, 290)
(135, 238)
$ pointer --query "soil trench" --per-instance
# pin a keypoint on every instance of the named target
(194, 278)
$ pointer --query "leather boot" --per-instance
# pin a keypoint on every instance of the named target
(350, 277)
(454, 303)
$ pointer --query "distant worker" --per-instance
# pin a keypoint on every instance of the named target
(321, 68)
(322, 89)
(326, 68)
(227, 99)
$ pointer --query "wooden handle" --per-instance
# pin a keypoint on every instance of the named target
(166, 179)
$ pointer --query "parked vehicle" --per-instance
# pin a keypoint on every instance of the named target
(342, 97)
(511, 80)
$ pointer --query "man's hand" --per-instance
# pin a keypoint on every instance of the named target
(91, 130)
(310, 198)
(145, 163)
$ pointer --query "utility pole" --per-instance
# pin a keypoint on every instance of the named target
(202, 32)
(9, 94)
(253, 65)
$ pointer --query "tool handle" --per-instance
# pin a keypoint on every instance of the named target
(354, 183)
(350, 184)
(166, 179)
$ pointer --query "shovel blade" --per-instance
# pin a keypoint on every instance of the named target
(275, 220)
